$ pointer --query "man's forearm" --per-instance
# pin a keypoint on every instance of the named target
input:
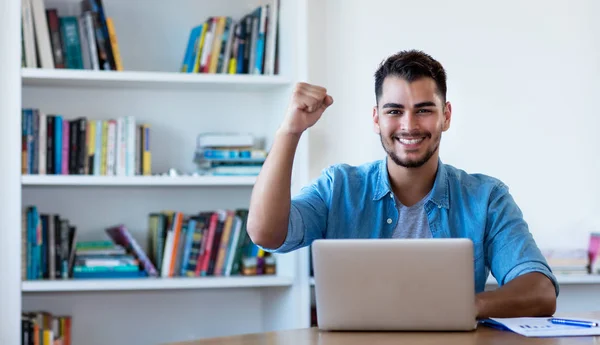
(529, 295)
(270, 200)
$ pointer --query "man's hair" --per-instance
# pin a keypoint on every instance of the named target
(411, 65)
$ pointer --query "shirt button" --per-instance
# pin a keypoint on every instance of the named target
(389, 221)
(391, 195)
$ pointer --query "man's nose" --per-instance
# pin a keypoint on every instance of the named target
(409, 122)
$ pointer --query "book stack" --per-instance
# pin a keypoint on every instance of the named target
(228, 154)
(84, 41)
(44, 328)
(210, 243)
(567, 261)
(235, 46)
(104, 259)
(53, 145)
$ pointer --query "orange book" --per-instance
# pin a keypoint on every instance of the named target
(177, 237)
(112, 35)
(224, 244)
(217, 42)
(67, 331)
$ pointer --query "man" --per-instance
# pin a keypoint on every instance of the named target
(410, 194)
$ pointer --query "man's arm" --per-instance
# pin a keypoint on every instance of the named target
(527, 285)
(269, 210)
(531, 294)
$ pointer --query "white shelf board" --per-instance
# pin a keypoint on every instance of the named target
(91, 180)
(572, 279)
(157, 80)
(138, 284)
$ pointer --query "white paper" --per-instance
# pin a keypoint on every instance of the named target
(542, 327)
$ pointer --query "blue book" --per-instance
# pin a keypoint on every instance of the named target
(192, 50)
(58, 126)
(189, 235)
(109, 275)
(261, 13)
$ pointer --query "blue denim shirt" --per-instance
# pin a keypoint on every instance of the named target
(357, 202)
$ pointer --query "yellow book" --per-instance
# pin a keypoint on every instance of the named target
(104, 147)
(91, 145)
(114, 44)
(48, 337)
(200, 45)
(216, 48)
(232, 65)
(146, 154)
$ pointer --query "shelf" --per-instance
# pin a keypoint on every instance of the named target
(157, 80)
(157, 181)
(154, 284)
(562, 279)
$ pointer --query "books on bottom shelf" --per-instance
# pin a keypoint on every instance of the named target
(211, 243)
(207, 244)
(41, 327)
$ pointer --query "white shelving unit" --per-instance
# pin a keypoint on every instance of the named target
(156, 284)
(149, 80)
(152, 37)
(144, 181)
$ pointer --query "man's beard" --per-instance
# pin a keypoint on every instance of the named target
(407, 163)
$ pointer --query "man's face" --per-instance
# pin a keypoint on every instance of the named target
(410, 119)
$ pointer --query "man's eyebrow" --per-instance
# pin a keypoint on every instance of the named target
(425, 104)
(400, 106)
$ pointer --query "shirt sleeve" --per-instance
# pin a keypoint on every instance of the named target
(308, 214)
(510, 247)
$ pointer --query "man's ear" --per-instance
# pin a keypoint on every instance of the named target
(376, 121)
(447, 116)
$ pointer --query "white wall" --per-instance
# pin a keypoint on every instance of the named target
(522, 78)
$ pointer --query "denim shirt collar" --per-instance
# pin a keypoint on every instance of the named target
(440, 195)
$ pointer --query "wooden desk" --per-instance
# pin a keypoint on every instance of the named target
(312, 336)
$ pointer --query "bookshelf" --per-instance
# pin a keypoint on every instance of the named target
(144, 181)
(156, 284)
(178, 106)
(155, 80)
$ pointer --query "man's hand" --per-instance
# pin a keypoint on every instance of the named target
(529, 295)
(306, 107)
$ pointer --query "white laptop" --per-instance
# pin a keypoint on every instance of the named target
(394, 284)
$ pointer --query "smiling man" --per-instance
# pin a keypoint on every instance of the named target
(409, 194)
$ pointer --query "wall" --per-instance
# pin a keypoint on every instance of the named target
(521, 79)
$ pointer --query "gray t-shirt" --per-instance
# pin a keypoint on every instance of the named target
(412, 221)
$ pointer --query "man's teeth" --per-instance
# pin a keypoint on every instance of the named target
(410, 141)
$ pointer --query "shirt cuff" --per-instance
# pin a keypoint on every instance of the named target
(528, 267)
(295, 233)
